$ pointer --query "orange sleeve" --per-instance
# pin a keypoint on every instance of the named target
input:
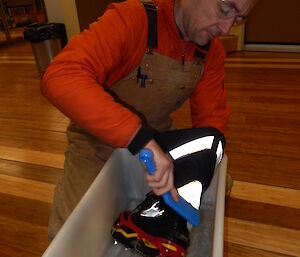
(209, 107)
(99, 56)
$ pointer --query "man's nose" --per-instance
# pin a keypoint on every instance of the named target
(225, 26)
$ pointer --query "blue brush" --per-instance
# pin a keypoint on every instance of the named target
(182, 207)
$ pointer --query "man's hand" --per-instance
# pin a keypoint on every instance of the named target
(163, 179)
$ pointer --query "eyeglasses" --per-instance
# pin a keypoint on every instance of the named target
(228, 10)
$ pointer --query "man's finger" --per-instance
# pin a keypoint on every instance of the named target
(174, 194)
(162, 190)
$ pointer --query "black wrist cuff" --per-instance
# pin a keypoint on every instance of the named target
(144, 135)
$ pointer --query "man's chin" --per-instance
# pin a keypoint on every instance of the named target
(202, 42)
(202, 38)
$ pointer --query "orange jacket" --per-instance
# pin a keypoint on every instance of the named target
(112, 47)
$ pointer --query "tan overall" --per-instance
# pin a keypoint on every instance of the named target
(168, 85)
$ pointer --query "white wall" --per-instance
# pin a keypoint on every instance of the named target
(63, 11)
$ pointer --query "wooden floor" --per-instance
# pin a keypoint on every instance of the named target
(263, 145)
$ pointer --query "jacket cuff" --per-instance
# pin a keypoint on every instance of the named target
(143, 136)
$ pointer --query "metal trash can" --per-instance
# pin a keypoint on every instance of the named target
(46, 41)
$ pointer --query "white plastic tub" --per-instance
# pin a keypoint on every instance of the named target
(119, 186)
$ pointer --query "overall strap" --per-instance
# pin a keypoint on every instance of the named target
(151, 10)
(201, 51)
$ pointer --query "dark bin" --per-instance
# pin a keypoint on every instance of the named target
(46, 41)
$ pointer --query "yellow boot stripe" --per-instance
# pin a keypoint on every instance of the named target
(170, 247)
(128, 235)
(148, 244)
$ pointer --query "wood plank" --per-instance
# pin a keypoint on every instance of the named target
(254, 93)
(30, 62)
(24, 209)
(250, 140)
(266, 123)
(264, 169)
(18, 48)
(12, 251)
(267, 109)
(266, 194)
(30, 72)
(276, 100)
(263, 122)
(264, 213)
(263, 237)
(22, 236)
(26, 104)
(10, 130)
(15, 134)
(263, 55)
(35, 115)
(30, 171)
(236, 250)
(33, 157)
(33, 139)
(263, 60)
(26, 188)
(36, 145)
(242, 116)
(263, 77)
(46, 125)
(262, 66)
(272, 88)
(5, 57)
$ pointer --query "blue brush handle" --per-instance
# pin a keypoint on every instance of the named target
(182, 207)
(146, 156)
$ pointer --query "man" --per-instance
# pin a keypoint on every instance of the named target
(118, 87)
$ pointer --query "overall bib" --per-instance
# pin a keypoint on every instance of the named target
(168, 85)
